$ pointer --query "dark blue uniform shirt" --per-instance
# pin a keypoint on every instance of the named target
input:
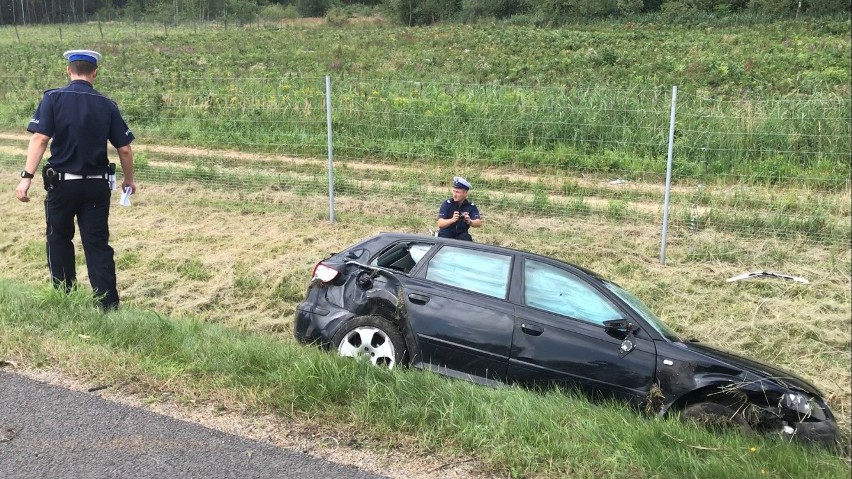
(459, 228)
(81, 121)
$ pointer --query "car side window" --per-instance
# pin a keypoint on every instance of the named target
(402, 256)
(558, 291)
(477, 271)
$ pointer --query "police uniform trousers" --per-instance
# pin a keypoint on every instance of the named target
(88, 200)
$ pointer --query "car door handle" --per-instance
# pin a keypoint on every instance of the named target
(531, 329)
(418, 298)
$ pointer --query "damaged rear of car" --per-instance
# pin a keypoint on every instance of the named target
(496, 315)
(351, 306)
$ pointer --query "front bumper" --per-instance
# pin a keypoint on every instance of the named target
(825, 433)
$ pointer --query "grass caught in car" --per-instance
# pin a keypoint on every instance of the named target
(510, 431)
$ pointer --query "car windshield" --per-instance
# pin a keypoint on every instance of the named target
(643, 310)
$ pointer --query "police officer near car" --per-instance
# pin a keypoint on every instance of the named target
(78, 176)
(457, 214)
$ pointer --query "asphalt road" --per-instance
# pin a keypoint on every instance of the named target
(51, 432)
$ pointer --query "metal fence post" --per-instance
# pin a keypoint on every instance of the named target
(668, 179)
(330, 162)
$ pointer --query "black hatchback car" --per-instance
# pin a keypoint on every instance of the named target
(497, 315)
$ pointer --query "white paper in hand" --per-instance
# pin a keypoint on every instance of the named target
(125, 197)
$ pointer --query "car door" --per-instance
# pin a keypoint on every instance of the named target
(459, 312)
(559, 337)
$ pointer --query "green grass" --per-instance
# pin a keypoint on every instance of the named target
(511, 431)
(194, 270)
(766, 103)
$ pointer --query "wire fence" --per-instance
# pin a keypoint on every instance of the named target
(745, 168)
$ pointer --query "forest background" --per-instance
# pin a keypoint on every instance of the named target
(406, 12)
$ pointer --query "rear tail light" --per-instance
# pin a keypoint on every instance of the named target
(324, 273)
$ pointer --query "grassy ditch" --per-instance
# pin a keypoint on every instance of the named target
(511, 431)
(241, 257)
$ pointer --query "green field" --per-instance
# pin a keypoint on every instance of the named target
(233, 213)
(766, 103)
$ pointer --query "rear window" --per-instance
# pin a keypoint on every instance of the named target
(478, 271)
(402, 256)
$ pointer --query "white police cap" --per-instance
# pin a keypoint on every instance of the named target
(84, 55)
(459, 182)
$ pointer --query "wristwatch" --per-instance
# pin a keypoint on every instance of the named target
(25, 174)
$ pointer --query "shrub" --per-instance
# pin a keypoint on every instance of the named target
(772, 7)
(629, 7)
(313, 8)
(358, 10)
(423, 12)
(273, 13)
(473, 10)
(337, 17)
(561, 12)
(244, 11)
(290, 12)
(829, 7)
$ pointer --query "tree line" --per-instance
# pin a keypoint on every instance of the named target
(405, 12)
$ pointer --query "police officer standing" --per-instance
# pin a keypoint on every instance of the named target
(77, 176)
(457, 215)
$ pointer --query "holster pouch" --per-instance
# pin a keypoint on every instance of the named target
(112, 184)
(50, 177)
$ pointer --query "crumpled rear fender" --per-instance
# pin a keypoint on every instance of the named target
(378, 292)
(372, 293)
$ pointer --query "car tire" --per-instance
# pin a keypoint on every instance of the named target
(715, 416)
(373, 338)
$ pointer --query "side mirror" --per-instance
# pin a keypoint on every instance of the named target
(623, 325)
(625, 328)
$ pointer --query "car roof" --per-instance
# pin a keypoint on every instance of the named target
(395, 236)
